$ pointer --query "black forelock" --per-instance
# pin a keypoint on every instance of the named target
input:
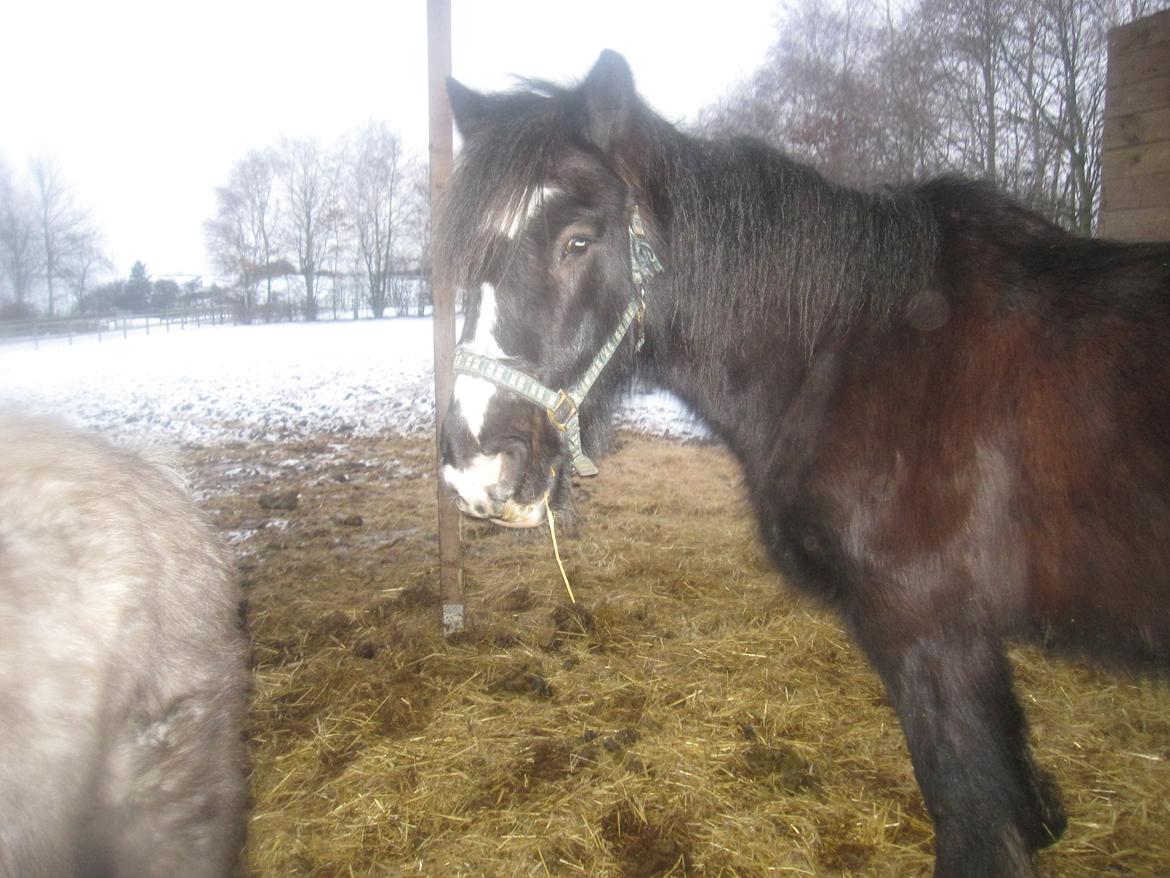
(498, 170)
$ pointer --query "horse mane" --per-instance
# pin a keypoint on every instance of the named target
(749, 236)
(756, 234)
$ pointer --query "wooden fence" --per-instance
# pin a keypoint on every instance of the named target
(41, 329)
(1135, 154)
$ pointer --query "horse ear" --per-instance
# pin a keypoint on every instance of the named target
(469, 108)
(609, 100)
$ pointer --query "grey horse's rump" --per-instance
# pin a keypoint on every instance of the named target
(123, 682)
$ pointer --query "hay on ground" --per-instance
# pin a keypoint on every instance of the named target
(686, 718)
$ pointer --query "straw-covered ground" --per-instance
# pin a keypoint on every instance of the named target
(686, 717)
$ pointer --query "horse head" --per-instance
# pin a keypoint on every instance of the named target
(541, 234)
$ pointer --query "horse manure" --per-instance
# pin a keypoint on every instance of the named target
(280, 500)
(781, 766)
(548, 760)
(365, 649)
(417, 596)
(337, 752)
(647, 849)
(574, 619)
(333, 624)
(619, 740)
(848, 856)
(522, 681)
(615, 743)
(381, 610)
(517, 600)
(541, 761)
(626, 737)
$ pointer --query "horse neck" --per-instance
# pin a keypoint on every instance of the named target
(770, 265)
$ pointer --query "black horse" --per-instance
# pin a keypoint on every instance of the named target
(953, 416)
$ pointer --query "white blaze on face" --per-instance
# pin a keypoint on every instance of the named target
(472, 393)
(513, 225)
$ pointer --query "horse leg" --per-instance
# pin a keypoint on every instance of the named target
(952, 689)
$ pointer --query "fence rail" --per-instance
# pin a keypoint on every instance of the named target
(36, 330)
(43, 329)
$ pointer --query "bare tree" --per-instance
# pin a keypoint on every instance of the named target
(1064, 84)
(64, 229)
(309, 177)
(1008, 90)
(906, 73)
(7, 193)
(418, 232)
(86, 263)
(375, 197)
(816, 95)
(341, 272)
(1030, 168)
(973, 34)
(242, 236)
(20, 255)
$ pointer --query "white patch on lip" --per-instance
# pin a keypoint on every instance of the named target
(472, 393)
(472, 482)
(514, 224)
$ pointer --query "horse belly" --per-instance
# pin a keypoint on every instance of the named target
(1094, 440)
(1099, 571)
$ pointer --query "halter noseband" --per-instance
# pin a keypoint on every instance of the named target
(562, 405)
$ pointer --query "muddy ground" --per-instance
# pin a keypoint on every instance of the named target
(686, 717)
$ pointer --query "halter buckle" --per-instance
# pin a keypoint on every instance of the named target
(563, 401)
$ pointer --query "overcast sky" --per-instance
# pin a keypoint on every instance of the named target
(145, 106)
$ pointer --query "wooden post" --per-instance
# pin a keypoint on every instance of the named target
(1135, 146)
(443, 301)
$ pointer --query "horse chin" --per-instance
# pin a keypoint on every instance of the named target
(521, 515)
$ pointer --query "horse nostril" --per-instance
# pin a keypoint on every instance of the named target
(498, 493)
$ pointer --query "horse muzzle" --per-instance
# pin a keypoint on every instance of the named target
(481, 491)
(520, 514)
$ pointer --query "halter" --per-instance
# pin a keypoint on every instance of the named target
(562, 405)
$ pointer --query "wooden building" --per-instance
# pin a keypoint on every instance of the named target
(1135, 159)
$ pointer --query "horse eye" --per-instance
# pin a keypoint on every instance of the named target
(575, 246)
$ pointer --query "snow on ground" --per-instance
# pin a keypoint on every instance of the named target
(215, 384)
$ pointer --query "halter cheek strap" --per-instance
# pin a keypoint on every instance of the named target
(562, 405)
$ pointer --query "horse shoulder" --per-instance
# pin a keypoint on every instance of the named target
(889, 473)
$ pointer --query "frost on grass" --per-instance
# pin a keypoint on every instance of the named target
(213, 385)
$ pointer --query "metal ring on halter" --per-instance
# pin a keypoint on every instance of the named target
(554, 413)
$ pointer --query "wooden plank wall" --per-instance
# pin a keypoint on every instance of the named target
(1135, 150)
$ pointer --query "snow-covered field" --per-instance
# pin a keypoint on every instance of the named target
(216, 384)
